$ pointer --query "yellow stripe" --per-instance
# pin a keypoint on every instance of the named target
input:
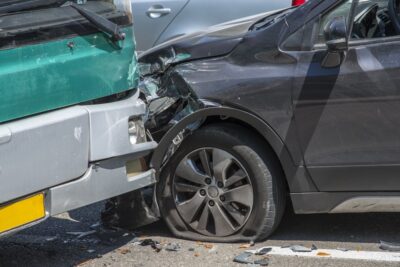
(22, 212)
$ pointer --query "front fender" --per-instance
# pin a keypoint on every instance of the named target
(290, 169)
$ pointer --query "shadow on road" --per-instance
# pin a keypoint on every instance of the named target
(360, 228)
(49, 244)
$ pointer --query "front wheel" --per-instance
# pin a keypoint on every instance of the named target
(223, 184)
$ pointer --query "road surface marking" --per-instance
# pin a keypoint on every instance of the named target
(338, 254)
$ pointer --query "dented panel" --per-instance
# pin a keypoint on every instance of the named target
(109, 128)
(225, 66)
(43, 151)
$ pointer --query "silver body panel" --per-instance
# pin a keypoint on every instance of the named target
(51, 149)
(43, 151)
(109, 127)
(162, 20)
(103, 181)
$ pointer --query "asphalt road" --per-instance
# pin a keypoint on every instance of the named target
(54, 243)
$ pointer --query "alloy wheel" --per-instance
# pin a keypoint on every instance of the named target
(213, 192)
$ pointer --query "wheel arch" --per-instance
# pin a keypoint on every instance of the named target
(222, 113)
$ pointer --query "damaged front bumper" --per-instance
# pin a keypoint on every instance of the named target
(80, 155)
(170, 100)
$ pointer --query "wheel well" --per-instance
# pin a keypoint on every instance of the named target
(218, 119)
(296, 179)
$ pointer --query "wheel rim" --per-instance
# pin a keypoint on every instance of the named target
(213, 192)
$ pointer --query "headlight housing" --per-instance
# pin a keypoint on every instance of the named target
(137, 131)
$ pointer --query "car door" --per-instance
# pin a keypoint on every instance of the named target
(151, 17)
(200, 14)
(347, 116)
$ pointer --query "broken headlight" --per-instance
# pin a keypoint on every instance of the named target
(137, 131)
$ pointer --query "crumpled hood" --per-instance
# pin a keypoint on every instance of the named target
(213, 41)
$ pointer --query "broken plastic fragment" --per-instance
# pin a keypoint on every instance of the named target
(389, 246)
(213, 250)
(297, 248)
(173, 247)
(150, 242)
(263, 251)
(243, 258)
(260, 251)
(262, 262)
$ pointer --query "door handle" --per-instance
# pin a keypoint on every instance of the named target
(157, 11)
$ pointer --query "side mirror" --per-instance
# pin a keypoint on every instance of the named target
(335, 33)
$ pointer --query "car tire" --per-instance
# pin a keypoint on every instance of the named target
(249, 209)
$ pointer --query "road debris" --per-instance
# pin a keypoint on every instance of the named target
(51, 238)
(109, 236)
(299, 248)
(208, 246)
(389, 246)
(80, 235)
(244, 258)
(262, 262)
(323, 254)
(260, 251)
(173, 247)
(124, 251)
(249, 245)
(213, 249)
(152, 243)
(95, 225)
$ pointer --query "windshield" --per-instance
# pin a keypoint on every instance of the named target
(31, 21)
(57, 53)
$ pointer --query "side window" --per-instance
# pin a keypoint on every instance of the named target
(371, 19)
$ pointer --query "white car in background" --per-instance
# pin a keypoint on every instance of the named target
(157, 21)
